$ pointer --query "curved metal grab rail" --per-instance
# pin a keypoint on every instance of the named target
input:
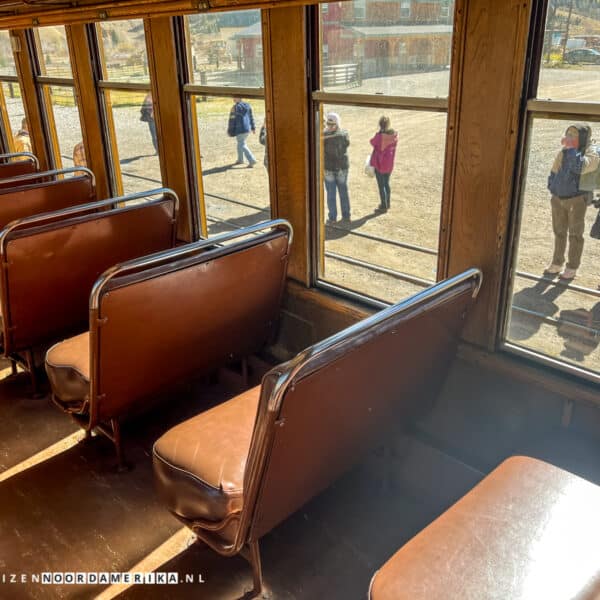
(181, 252)
(51, 173)
(11, 155)
(82, 208)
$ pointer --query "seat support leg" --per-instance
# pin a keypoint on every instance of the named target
(32, 375)
(13, 367)
(254, 560)
(116, 439)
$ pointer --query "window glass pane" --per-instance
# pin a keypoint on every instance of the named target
(7, 59)
(225, 49)
(551, 315)
(394, 47)
(134, 153)
(53, 52)
(234, 194)
(65, 118)
(396, 229)
(123, 51)
(570, 66)
(18, 136)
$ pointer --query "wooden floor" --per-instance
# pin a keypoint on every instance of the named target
(64, 508)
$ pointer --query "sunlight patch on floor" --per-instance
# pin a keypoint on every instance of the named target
(45, 454)
(175, 545)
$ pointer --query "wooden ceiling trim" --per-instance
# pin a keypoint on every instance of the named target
(17, 15)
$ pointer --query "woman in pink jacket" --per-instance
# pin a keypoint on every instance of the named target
(384, 144)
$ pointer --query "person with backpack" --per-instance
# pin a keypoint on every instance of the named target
(239, 126)
(384, 144)
(569, 201)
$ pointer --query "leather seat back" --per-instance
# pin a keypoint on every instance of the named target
(14, 169)
(41, 196)
(185, 315)
(51, 266)
(319, 413)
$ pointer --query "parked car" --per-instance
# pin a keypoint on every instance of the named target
(583, 55)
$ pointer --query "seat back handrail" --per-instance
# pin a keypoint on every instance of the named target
(71, 211)
(23, 179)
(180, 253)
(27, 155)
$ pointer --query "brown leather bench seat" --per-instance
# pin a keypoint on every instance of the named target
(68, 368)
(528, 531)
(210, 303)
(201, 461)
(50, 262)
(233, 473)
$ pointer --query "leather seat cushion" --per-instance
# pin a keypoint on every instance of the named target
(200, 463)
(68, 368)
(529, 530)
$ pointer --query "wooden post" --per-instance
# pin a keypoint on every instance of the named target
(166, 95)
(89, 110)
(31, 104)
(284, 40)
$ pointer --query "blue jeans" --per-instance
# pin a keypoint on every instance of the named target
(152, 128)
(243, 150)
(383, 183)
(337, 180)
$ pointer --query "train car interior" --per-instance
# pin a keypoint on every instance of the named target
(219, 381)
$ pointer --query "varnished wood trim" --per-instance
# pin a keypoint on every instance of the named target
(517, 368)
(46, 95)
(229, 91)
(485, 152)
(31, 104)
(6, 127)
(459, 35)
(112, 140)
(89, 110)
(88, 12)
(563, 109)
(124, 86)
(286, 93)
(168, 103)
(199, 182)
(400, 102)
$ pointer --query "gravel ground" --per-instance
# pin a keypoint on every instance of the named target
(416, 191)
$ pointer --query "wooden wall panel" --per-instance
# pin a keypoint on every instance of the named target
(284, 39)
(485, 102)
(89, 112)
(166, 95)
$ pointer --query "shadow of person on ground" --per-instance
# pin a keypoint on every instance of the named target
(217, 226)
(221, 169)
(537, 299)
(580, 330)
(339, 230)
(126, 161)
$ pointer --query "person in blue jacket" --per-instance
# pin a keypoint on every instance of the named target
(569, 202)
(241, 123)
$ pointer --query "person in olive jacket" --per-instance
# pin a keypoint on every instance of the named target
(335, 149)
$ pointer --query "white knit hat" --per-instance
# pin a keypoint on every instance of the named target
(334, 118)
